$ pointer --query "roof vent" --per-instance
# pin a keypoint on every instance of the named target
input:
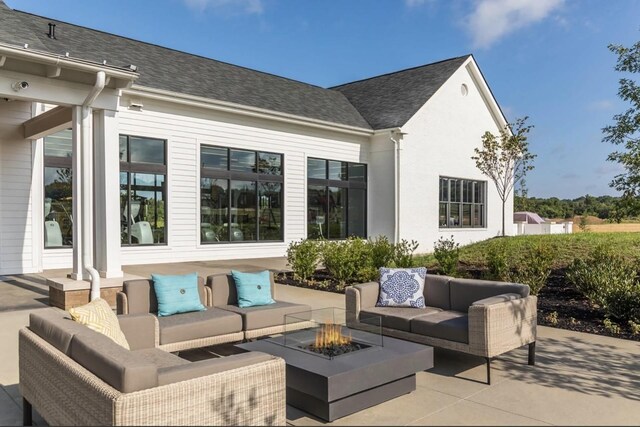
(133, 68)
(52, 30)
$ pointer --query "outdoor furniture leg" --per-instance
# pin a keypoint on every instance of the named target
(27, 418)
(532, 353)
(488, 370)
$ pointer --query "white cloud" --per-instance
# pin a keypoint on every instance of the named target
(491, 20)
(247, 6)
(601, 105)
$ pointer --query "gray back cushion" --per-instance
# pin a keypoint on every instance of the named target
(126, 371)
(141, 296)
(223, 289)
(436, 291)
(55, 327)
(465, 292)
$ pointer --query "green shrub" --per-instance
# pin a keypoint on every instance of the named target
(552, 318)
(382, 252)
(348, 260)
(303, 257)
(535, 267)
(610, 326)
(403, 253)
(634, 327)
(447, 253)
(498, 261)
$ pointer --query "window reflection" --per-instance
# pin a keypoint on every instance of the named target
(243, 161)
(214, 212)
(357, 212)
(58, 207)
(59, 144)
(146, 150)
(461, 203)
(270, 204)
(270, 164)
(213, 157)
(316, 212)
(243, 210)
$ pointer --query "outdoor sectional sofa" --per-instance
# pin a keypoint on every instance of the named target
(479, 317)
(222, 322)
(75, 376)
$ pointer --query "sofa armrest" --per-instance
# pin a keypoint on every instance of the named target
(496, 327)
(141, 330)
(360, 296)
(498, 299)
(122, 303)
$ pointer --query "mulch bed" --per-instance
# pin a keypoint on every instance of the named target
(573, 310)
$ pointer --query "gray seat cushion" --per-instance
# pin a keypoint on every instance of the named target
(448, 325)
(55, 327)
(162, 359)
(198, 324)
(397, 317)
(141, 295)
(436, 291)
(265, 316)
(465, 292)
(125, 370)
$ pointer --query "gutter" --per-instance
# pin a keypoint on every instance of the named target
(87, 199)
(395, 137)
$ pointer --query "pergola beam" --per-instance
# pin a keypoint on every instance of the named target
(52, 121)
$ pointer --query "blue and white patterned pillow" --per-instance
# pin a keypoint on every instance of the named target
(402, 287)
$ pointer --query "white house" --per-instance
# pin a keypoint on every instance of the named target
(115, 151)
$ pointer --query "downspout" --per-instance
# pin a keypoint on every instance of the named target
(87, 181)
(395, 137)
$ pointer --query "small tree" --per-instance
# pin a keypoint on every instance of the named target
(505, 158)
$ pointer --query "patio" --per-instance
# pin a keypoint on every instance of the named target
(579, 379)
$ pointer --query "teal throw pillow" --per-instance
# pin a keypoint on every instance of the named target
(177, 294)
(253, 288)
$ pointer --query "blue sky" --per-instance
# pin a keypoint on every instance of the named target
(547, 59)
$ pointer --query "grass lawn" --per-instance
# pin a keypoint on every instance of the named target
(566, 247)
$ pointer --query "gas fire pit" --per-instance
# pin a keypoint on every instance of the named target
(334, 371)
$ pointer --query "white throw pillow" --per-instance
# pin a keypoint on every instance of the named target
(402, 287)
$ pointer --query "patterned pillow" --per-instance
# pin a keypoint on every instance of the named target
(402, 287)
(98, 316)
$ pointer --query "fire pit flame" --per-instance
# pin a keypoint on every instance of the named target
(330, 335)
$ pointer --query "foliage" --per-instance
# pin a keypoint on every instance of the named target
(584, 226)
(535, 268)
(447, 252)
(610, 326)
(634, 327)
(303, 257)
(382, 252)
(604, 207)
(498, 261)
(345, 259)
(403, 253)
(625, 131)
(552, 318)
(505, 158)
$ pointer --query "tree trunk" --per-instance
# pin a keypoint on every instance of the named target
(504, 203)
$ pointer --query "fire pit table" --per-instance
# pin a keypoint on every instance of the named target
(334, 371)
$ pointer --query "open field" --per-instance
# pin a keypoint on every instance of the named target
(609, 228)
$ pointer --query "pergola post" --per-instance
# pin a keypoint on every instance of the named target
(78, 270)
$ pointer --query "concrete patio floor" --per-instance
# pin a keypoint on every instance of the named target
(579, 379)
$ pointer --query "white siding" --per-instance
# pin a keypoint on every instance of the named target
(440, 141)
(187, 128)
(16, 185)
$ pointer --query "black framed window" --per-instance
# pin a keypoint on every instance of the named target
(462, 203)
(241, 195)
(58, 190)
(336, 199)
(143, 190)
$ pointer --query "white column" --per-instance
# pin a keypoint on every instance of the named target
(107, 193)
(78, 270)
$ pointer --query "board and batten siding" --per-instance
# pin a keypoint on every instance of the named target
(19, 242)
(440, 140)
(186, 129)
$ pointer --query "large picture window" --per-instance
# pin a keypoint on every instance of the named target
(143, 190)
(462, 203)
(58, 190)
(241, 195)
(336, 199)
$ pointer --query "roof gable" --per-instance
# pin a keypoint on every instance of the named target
(390, 100)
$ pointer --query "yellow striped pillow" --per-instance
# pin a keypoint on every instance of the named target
(98, 316)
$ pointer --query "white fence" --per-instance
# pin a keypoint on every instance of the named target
(522, 228)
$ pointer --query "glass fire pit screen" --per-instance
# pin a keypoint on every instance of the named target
(328, 335)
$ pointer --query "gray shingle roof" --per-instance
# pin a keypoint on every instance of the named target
(390, 100)
(378, 103)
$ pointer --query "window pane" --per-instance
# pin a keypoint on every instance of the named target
(123, 149)
(466, 215)
(243, 161)
(317, 168)
(357, 212)
(337, 170)
(479, 192)
(243, 210)
(59, 144)
(337, 213)
(454, 190)
(454, 215)
(214, 158)
(444, 190)
(146, 150)
(467, 193)
(270, 205)
(58, 207)
(357, 172)
(443, 215)
(214, 210)
(478, 215)
(124, 208)
(145, 207)
(317, 212)
(270, 164)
